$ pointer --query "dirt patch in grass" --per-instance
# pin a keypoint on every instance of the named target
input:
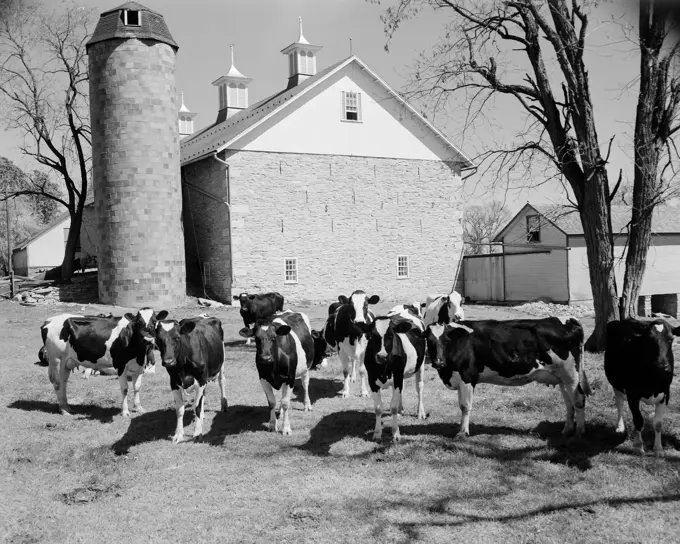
(515, 479)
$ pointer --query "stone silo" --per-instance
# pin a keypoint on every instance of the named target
(135, 157)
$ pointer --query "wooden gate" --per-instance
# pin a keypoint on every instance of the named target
(483, 276)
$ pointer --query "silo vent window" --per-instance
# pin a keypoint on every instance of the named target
(131, 17)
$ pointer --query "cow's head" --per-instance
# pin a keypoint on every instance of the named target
(359, 302)
(267, 334)
(141, 334)
(242, 298)
(168, 341)
(447, 345)
(451, 309)
(321, 352)
(383, 344)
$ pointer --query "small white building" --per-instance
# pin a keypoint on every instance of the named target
(45, 249)
(544, 257)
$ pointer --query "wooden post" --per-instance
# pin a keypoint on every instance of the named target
(10, 268)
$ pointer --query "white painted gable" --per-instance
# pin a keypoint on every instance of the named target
(387, 128)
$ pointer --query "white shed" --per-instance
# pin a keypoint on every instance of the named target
(544, 257)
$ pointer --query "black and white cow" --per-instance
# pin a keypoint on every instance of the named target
(443, 309)
(192, 351)
(124, 343)
(513, 352)
(395, 352)
(344, 332)
(285, 351)
(638, 363)
(258, 306)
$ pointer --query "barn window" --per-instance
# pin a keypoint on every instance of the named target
(291, 271)
(131, 17)
(351, 106)
(403, 266)
(533, 228)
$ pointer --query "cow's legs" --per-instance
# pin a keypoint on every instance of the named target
(199, 409)
(179, 412)
(222, 381)
(60, 388)
(377, 403)
(305, 386)
(620, 399)
(286, 392)
(394, 409)
(569, 420)
(271, 400)
(122, 380)
(420, 384)
(659, 413)
(346, 368)
(136, 388)
(465, 391)
(363, 377)
(638, 422)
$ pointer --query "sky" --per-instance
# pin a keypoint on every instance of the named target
(259, 29)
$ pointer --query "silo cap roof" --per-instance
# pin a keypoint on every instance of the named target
(151, 25)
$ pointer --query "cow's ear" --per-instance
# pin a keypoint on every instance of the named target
(456, 333)
(126, 335)
(246, 332)
(162, 315)
(130, 317)
(342, 299)
(187, 327)
(236, 297)
(283, 330)
(676, 331)
(403, 327)
(374, 299)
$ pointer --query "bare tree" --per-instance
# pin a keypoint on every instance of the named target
(480, 224)
(44, 91)
(532, 51)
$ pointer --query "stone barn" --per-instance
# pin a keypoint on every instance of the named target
(335, 183)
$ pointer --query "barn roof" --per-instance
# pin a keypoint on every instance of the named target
(223, 133)
(665, 220)
(152, 26)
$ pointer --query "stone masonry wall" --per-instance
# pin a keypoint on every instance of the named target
(346, 219)
(135, 154)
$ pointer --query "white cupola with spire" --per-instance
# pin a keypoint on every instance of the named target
(301, 59)
(185, 119)
(232, 91)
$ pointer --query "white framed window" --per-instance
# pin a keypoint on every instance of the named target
(132, 17)
(351, 106)
(403, 267)
(291, 270)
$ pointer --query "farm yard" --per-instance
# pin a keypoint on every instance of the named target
(99, 477)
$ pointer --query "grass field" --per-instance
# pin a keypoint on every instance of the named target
(99, 477)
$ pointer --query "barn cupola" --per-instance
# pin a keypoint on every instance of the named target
(185, 118)
(301, 59)
(232, 92)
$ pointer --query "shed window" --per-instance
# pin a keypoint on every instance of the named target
(351, 106)
(291, 271)
(403, 266)
(131, 17)
(533, 228)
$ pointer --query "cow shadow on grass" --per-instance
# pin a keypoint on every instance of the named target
(338, 426)
(89, 411)
(321, 388)
(149, 427)
(236, 420)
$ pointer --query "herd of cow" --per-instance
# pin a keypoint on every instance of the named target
(384, 350)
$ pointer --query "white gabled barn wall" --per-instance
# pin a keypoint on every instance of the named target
(517, 234)
(387, 129)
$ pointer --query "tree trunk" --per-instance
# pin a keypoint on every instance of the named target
(647, 153)
(71, 243)
(594, 209)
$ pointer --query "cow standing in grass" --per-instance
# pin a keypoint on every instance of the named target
(258, 306)
(123, 343)
(345, 332)
(638, 363)
(513, 352)
(395, 352)
(285, 352)
(192, 351)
